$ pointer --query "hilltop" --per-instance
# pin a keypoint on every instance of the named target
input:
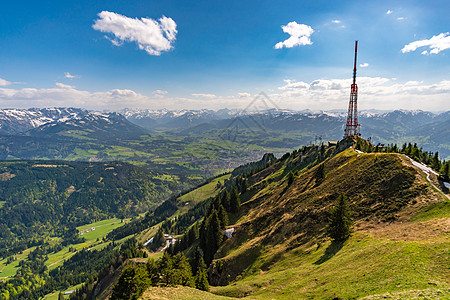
(400, 230)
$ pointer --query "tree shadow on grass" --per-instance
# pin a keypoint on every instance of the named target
(331, 251)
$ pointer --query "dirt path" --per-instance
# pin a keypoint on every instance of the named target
(427, 170)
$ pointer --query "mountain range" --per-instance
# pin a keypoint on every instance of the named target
(270, 128)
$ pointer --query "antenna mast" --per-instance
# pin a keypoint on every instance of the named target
(352, 126)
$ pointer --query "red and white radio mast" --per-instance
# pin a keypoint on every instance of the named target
(352, 127)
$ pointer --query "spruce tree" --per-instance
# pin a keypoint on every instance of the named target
(290, 178)
(339, 227)
(182, 273)
(201, 277)
(320, 172)
(435, 163)
(165, 269)
(214, 236)
(235, 202)
(225, 200)
(445, 171)
(131, 284)
(223, 217)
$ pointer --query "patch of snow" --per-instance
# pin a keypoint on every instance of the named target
(229, 232)
(358, 151)
(148, 242)
(447, 185)
(423, 167)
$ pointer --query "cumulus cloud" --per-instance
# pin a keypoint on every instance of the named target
(401, 18)
(244, 95)
(159, 93)
(437, 43)
(364, 65)
(63, 86)
(336, 21)
(320, 94)
(4, 82)
(70, 76)
(150, 35)
(299, 35)
(389, 12)
(67, 95)
(204, 95)
(374, 92)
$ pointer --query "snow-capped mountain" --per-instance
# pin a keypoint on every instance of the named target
(14, 121)
(151, 119)
(47, 122)
(183, 119)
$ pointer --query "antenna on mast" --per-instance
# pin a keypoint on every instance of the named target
(352, 126)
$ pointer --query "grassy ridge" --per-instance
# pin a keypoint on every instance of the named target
(365, 265)
(179, 292)
(280, 249)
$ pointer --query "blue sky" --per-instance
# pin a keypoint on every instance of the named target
(108, 55)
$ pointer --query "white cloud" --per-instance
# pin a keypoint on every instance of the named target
(389, 12)
(364, 65)
(244, 95)
(401, 18)
(152, 36)
(67, 95)
(321, 94)
(294, 85)
(70, 76)
(63, 86)
(437, 43)
(159, 93)
(205, 95)
(336, 21)
(4, 82)
(299, 35)
(374, 92)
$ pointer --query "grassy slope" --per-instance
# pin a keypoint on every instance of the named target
(11, 269)
(56, 259)
(102, 228)
(280, 250)
(180, 292)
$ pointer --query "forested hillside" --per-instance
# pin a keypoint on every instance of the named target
(40, 199)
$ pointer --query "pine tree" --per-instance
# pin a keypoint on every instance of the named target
(201, 277)
(182, 273)
(131, 284)
(193, 234)
(195, 261)
(225, 200)
(214, 236)
(235, 202)
(320, 172)
(290, 178)
(339, 227)
(165, 269)
(445, 171)
(223, 217)
(435, 163)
